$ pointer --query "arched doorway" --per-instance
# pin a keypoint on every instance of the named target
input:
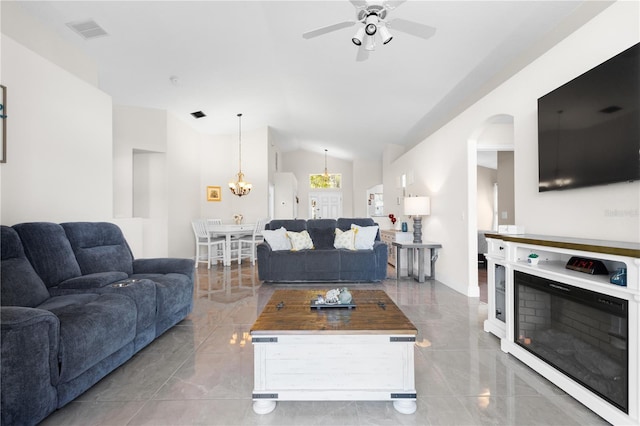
(490, 188)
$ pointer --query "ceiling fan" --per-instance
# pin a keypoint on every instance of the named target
(373, 14)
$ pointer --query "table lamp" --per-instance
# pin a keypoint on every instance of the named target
(417, 207)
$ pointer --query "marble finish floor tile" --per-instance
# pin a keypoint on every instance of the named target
(200, 372)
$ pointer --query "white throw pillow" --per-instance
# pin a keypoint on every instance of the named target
(277, 239)
(345, 239)
(300, 240)
(365, 236)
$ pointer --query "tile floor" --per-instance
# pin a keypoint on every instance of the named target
(201, 371)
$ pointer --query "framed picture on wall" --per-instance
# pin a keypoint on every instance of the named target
(3, 126)
(214, 193)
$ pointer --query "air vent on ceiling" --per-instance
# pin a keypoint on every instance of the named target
(198, 114)
(87, 29)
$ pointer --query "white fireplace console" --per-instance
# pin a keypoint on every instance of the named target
(509, 253)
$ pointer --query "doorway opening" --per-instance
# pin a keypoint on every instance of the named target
(491, 200)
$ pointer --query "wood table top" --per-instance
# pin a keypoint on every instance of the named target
(290, 312)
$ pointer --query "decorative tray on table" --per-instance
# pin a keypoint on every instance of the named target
(336, 298)
(315, 305)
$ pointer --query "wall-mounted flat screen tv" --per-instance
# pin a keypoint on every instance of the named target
(589, 128)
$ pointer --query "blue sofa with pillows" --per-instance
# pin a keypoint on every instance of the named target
(75, 305)
(322, 250)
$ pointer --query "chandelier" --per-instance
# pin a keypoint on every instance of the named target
(240, 187)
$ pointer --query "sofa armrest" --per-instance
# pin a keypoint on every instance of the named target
(263, 250)
(29, 364)
(265, 246)
(381, 251)
(381, 248)
(263, 253)
(166, 265)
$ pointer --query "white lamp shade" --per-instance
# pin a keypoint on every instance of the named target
(417, 206)
(385, 35)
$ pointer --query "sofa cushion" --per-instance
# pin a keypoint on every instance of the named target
(365, 236)
(359, 265)
(174, 298)
(19, 283)
(287, 265)
(99, 247)
(345, 239)
(323, 265)
(300, 240)
(322, 232)
(277, 239)
(92, 327)
(49, 251)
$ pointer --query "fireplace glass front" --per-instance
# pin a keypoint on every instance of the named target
(579, 332)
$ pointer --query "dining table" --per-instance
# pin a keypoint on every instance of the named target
(229, 231)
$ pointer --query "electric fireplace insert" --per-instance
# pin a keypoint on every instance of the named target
(579, 332)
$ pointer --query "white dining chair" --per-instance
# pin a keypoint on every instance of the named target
(214, 222)
(215, 246)
(248, 245)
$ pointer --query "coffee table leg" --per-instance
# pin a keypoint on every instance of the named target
(403, 406)
(265, 406)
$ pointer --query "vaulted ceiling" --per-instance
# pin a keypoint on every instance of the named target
(226, 57)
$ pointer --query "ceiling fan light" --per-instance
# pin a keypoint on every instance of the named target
(370, 29)
(371, 25)
(385, 35)
(358, 37)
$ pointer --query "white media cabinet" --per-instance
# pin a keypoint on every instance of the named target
(509, 253)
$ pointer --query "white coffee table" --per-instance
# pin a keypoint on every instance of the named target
(360, 354)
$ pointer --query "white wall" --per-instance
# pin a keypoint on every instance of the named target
(303, 163)
(219, 165)
(506, 189)
(286, 200)
(443, 162)
(59, 156)
(140, 174)
(183, 185)
(366, 174)
(134, 129)
(440, 170)
(486, 179)
(21, 27)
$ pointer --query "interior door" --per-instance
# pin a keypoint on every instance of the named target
(325, 205)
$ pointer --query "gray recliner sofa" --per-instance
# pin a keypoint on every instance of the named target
(75, 305)
(323, 263)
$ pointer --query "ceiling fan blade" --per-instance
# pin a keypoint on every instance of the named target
(411, 27)
(358, 4)
(390, 5)
(328, 29)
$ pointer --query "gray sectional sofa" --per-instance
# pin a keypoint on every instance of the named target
(75, 305)
(323, 263)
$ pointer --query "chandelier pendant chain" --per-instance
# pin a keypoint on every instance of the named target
(240, 187)
(240, 143)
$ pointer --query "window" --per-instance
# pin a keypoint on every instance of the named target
(319, 181)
